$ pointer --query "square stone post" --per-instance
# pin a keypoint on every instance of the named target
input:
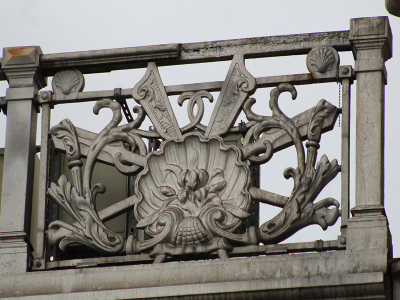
(21, 66)
(371, 39)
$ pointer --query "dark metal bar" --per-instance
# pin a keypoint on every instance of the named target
(254, 211)
(124, 105)
(3, 104)
(52, 208)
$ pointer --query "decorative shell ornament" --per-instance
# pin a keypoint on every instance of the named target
(68, 82)
(193, 192)
(322, 61)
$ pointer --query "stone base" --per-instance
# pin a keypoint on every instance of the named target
(14, 251)
(356, 274)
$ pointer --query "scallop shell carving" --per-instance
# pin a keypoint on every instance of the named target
(192, 177)
(68, 82)
(190, 232)
(322, 60)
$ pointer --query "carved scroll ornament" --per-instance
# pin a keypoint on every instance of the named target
(299, 211)
(193, 195)
(79, 199)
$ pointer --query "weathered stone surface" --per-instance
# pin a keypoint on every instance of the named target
(26, 56)
(339, 275)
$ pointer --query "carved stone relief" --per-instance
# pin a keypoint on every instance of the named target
(193, 194)
(68, 83)
(322, 61)
(78, 199)
(151, 94)
(238, 86)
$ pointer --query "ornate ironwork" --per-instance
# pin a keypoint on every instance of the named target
(193, 194)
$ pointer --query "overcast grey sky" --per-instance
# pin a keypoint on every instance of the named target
(64, 26)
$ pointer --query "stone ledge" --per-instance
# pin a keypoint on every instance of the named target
(336, 272)
(346, 287)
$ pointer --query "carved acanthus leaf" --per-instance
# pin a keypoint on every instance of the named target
(78, 200)
(321, 111)
(299, 210)
(87, 229)
(67, 133)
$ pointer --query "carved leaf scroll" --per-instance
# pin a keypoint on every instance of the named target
(299, 210)
(78, 201)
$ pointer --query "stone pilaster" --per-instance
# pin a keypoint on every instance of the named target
(371, 39)
(21, 66)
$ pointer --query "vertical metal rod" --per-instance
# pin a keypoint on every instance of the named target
(43, 180)
(345, 171)
(254, 219)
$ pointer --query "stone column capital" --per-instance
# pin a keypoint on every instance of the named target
(22, 67)
(372, 36)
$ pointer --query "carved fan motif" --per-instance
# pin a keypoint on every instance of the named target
(199, 183)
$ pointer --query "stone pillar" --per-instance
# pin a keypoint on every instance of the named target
(21, 66)
(371, 39)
